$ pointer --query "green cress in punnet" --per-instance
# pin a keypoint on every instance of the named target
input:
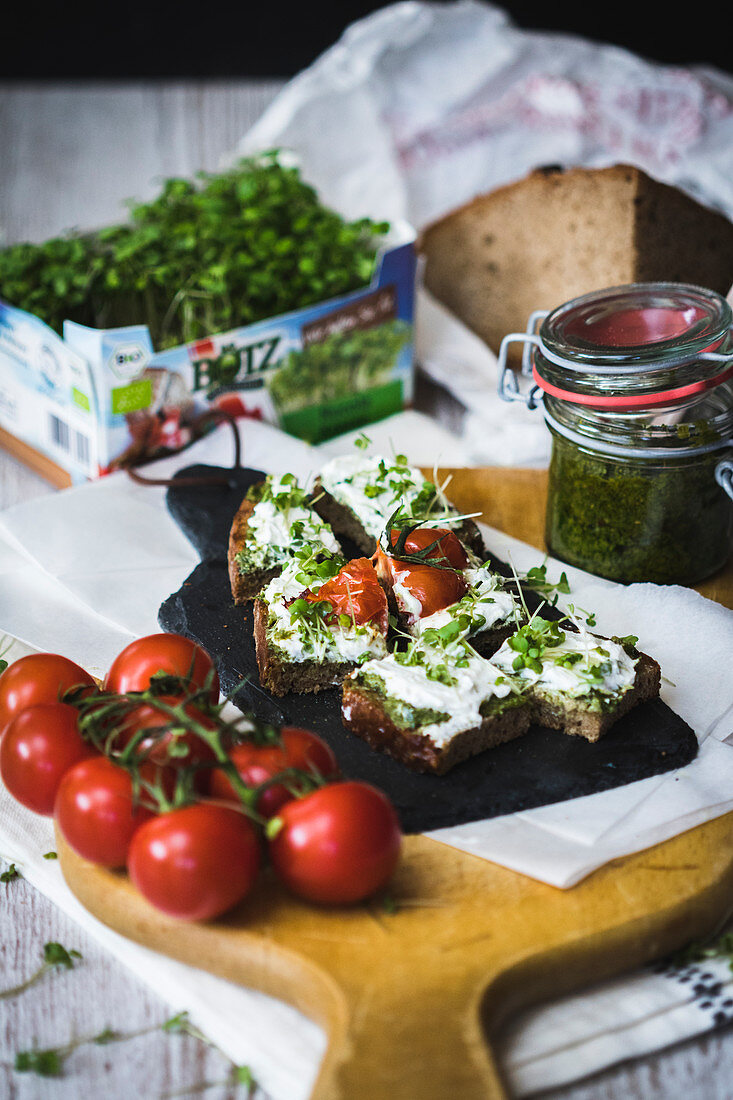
(238, 293)
(204, 256)
(637, 391)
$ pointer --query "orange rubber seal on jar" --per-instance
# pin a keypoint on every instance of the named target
(642, 400)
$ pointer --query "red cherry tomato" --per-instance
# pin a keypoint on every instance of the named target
(449, 548)
(338, 845)
(38, 748)
(169, 654)
(433, 588)
(195, 863)
(257, 764)
(37, 680)
(177, 746)
(96, 813)
(355, 591)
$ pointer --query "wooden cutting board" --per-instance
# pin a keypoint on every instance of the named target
(409, 995)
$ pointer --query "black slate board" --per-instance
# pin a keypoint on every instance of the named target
(542, 767)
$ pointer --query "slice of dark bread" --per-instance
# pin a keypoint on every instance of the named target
(364, 715)
(281, 676)
(555, 234)
(574, 717)
(244, 585)
(486, 642)
(346, 524)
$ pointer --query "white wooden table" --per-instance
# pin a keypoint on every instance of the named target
(70, 155)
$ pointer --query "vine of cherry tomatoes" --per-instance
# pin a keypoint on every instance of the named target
(147, 772)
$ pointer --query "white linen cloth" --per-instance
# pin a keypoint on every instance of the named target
(420, 106)
(76, 577)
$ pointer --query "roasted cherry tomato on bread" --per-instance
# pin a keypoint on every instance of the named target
(196, 862)
(38, 747)
(422, 589)
(298, 749)
(162, 655)
(355, 591)
(434, 544)
(96, 812)
(37, 680)
(338, 845)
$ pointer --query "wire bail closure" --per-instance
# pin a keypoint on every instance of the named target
(724, 475)
(509, 387)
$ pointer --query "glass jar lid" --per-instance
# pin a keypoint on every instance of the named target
(635, 346)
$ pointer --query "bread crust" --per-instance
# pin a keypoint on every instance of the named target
(244, 586)
(363, 715)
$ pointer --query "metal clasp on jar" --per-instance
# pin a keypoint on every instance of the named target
(724, 475)
(509, 379)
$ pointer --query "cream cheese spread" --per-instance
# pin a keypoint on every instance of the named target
(374, 487)
(459, 697)
(281, 519)
(485, 605)
(580, 665)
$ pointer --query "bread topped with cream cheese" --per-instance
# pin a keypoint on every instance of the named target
(274, 522)
(359, 494)
(317, 620)
(437, 654)
(576, 681)
(436, 584)
(431, 706)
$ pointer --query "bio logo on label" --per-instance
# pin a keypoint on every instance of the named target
(127, 360)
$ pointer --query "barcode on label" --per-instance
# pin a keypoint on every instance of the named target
(74, 443)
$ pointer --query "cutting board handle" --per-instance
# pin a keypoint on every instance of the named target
(430, 1046)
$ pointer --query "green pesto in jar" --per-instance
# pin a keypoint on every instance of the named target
(662, 520)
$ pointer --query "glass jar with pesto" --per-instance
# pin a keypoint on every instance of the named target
(636, 385)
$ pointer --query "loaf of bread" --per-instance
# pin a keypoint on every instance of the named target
(556, 234)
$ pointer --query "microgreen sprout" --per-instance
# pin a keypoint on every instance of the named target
(204, 256)
(51, 1061)
(537, 581)
(10, 874)
(404, 525)
(55, 957)
(532, 640)
(697, 950)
